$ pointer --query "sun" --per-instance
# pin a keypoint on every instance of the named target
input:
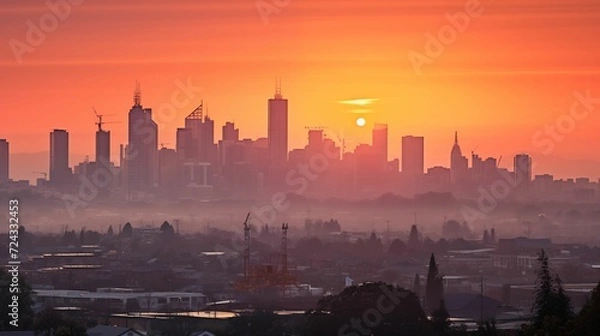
(361, 122)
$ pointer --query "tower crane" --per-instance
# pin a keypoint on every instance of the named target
(100, 122)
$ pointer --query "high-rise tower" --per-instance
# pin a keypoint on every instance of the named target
(141, 156)
(459, 165)
(4, 160)
(522, 169)
(380, 144)
(413, 149)
(59, 157)
(278, 128)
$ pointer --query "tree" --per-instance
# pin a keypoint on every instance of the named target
(440, 319)
(127, 230)
(550, 298)
(24, 301)
(413, 238)
(167, 230)
(587, 323)
(49, 322)
(417, 285)
(368, 309)
(486, 237)
(82, 237)
(434, 288)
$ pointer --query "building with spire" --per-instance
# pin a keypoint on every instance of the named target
(142, 149)
(459, 164)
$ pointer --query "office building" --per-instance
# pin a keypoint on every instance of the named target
(522, 171)
(230, 133)
(459, 165)
(59, 157)
(413, 157)
(141, 156)
(380, 144)
(278, 129)
(4, 161)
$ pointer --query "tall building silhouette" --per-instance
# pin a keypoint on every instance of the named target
(4, 161)
(230, 133)
(278, 129)
(59, 157)
(142, 149)
(459, 165)
(102, 145)
(380, 143)
(196, 150)
(413, 155)
(522, 170)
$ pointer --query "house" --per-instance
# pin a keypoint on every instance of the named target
(104, 330)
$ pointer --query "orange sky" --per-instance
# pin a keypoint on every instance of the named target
(513, 70)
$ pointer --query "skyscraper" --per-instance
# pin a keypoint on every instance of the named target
(4, 160)
(380, 143)
(196, 150)
(522, 169)
(141, 156)
(59, 157)
(459, 165)
(102, 145)
(413, 157)
(278, 129)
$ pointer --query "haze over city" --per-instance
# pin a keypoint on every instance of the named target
(513, 71)
(300, 167)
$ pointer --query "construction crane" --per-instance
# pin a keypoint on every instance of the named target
(100, 122)
(45, 175)
(474, 150)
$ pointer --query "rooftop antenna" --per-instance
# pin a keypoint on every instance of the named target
(137, 95)
(278, 88)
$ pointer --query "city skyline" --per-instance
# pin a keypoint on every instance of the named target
(491, 78)
(351, 143)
